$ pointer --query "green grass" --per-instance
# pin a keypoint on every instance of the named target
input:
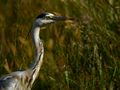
(79, 55)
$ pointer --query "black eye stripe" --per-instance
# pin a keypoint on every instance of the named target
(41, 15)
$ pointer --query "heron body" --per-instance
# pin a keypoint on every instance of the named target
(23, 80)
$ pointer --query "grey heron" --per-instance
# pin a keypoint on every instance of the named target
(23, 80)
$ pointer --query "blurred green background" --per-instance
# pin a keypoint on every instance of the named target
(79, 55)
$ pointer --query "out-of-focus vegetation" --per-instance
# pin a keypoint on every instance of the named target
(82, 55)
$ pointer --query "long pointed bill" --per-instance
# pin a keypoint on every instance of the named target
(59, 18)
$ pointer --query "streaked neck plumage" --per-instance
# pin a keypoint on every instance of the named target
(39, 51)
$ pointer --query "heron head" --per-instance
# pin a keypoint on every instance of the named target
(46, 18)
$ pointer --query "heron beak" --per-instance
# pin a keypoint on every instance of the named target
(59, 18)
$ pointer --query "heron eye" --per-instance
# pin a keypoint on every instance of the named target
(48, 17)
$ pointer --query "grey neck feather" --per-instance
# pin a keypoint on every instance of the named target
(39, 52)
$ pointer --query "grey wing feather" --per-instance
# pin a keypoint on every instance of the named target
(15, 81)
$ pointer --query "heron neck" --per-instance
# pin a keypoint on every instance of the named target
(36, 38)
(38, 59)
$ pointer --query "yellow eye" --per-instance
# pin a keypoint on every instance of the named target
(48, 17)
